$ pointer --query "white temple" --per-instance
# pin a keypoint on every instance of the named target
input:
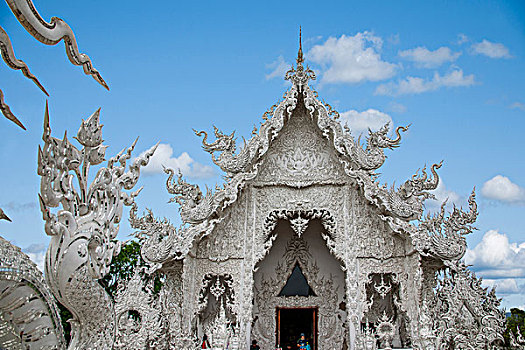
(301, 238)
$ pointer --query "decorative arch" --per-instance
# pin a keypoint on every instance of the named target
(299, 220)
(296, 249)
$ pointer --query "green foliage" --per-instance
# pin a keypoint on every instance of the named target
(65, 316)
(515, 320)
(122, 266)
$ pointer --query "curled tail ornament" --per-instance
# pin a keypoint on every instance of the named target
(52, 33)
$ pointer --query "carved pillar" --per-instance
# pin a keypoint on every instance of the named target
(245, 300)
(355, 293)
(172, 300)
(189, 293)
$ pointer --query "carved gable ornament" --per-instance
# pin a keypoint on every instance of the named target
(300, 156)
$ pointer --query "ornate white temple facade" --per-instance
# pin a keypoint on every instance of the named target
(301, 238)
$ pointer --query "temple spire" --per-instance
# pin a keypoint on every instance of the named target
(300, 58)
(299, 76)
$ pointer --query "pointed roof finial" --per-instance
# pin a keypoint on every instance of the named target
(299, 76)
(300, 58)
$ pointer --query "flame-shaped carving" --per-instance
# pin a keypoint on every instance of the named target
(161, 241)
(51, 33)
(467, 316)
(8, 54)
(418, 185)
(445, 235)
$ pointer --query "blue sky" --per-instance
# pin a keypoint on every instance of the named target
(455, 70)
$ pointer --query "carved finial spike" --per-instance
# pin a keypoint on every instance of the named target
(300, 58)
(3, 216)
(6, 111)
(134, 143)
(47, 128)
(154, 148)
(136, 193)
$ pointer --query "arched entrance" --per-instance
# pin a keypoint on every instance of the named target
(299, 287)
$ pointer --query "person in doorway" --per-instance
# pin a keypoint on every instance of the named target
(254, 345)
(302, 343)
(205, 343)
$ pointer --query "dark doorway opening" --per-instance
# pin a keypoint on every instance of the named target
(292, 322)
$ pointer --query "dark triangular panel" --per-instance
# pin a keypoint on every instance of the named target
(297, 285)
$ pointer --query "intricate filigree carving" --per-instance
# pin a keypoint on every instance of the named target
(373, 156)
(194, 208)
(221, 288)
(385, 331)
(326, 297)
(442, 236)
(83, 232)
(300, 165)
(467, 317)
(383, 289)
(300, 76)
(228, 160)
(139, 320)
(299, 220)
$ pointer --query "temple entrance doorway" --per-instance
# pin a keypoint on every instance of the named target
(299, 287)
(292, 322)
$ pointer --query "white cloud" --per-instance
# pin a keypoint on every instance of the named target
(496, 257)
(37, 253)
(279, 68)
(423, 57)
(163, 156)
(397, 107)
(352, 59)
(442, 193)
(462, 38)
(518, 105)
(500, 188)
(360, 122)
(415, 85)
(312, 40)
(490, 49)
(503, 286)
(394, 39)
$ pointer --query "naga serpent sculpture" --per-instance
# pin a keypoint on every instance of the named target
(373, 156)
(83, 222)
(228, 160)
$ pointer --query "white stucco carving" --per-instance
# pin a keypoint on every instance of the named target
(301, 191)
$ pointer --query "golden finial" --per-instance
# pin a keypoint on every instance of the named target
(300, 58)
